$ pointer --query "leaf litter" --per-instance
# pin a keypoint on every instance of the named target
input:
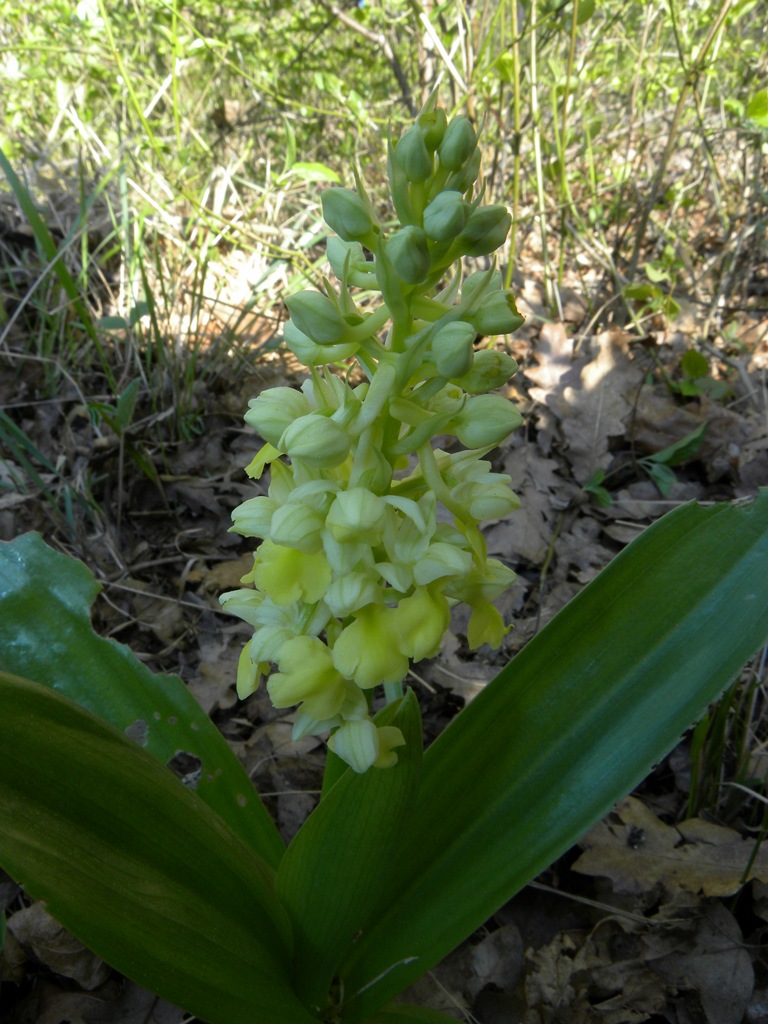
(654, 918)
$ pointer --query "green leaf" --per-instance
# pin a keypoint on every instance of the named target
(45, 631)
(586, 10)
(656, 273)
(568, 727)
(694, 365)
(136, 865)
(334, 876)
(310, 172)
(126, 404)
(594, 486)
(757, 108)
(681, 450)
(662, 475)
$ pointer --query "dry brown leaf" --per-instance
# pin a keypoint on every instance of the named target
(455, 983)
(716, 966)
(628, 970)
(599, 405)
(593, 398)
(639, 853)
(37, 932)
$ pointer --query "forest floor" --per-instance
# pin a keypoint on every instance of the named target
(646, 919)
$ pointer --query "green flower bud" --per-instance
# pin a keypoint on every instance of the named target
(245, 604)
(480, 285)
(370, 469)
(254, 517)
(312, 354)
(409, 254)
(315, 440)
(463, 180)
(356, 516)
(484, 420)
(316, 316)
(297, 526)
(412, 155)
(350, 593)
(486, 229)
(274, 410)
(441, 560)
(490, 370)
(433, 124)
(490, 498)
(458, 144)
(347, 214)
(445, 216)
(452, 349)
(497, 314)
(359, 269)
(362, 745)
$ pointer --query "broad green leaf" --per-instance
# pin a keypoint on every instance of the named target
(568, 727)
(46, 635)
(334, 876)
(136, 865)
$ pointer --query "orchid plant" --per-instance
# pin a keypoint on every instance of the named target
(369, 533)
(356, 571)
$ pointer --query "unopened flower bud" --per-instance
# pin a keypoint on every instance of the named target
(254, 517)
(441, 560)
(463, 180)
(340, 253)
(497, 314)
(433, 124)
(298, 526)
(312, 354)
(315, 440)
(458, 144)
(412, 155)
(445, 216)
(347, 214)
(316, 316)
(484, 420)
(490, 498)
(409, 255)
(490, 370)
(356, 516)
(370, 469)
(452, 349)
(486, 229)
(362, 745)
(350, 593)
(274, 410)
